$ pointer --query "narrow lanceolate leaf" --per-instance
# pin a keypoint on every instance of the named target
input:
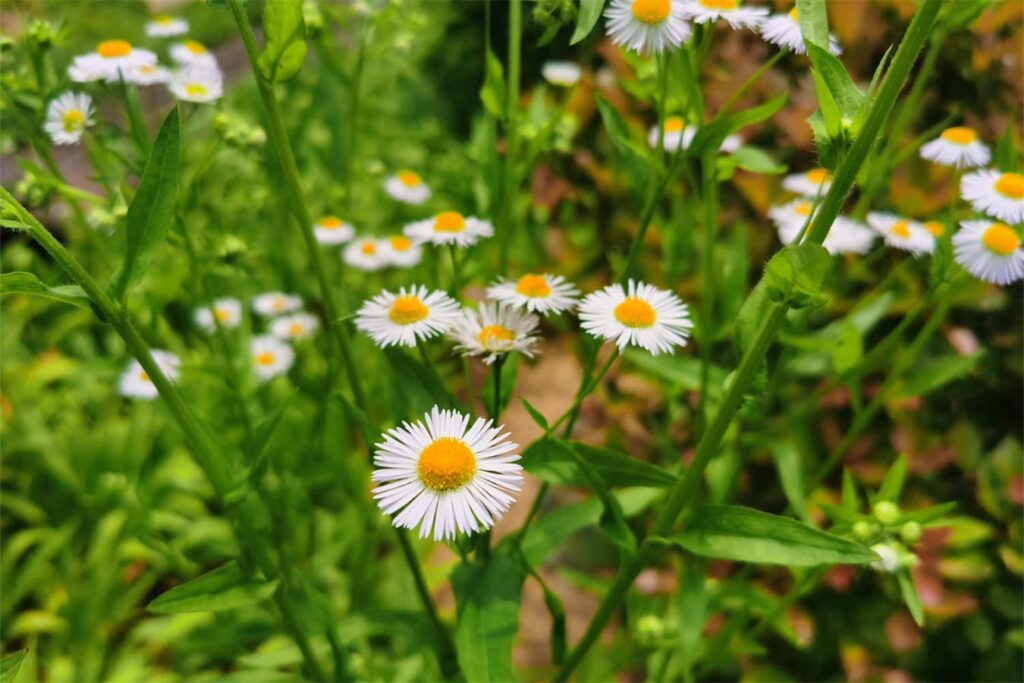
(738, 533)
(552, 462)
(152, 209)
(28, 283)
(285, 49)
(892, 484)
(222, 589)
(487, 596)
(9, 665)
(910, 596)
(710, 137)
(586, 19)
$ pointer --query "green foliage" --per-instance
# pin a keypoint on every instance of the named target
(285, 48)
(224, 588)
(796, 276)
(28, 283)
(586, 19)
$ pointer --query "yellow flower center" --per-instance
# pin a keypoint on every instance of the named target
(296, 329)
(1011, 185)
(803, 208)
(959, 135)
(674, 124)
(277, 304)
(900, 229)
(164, 19)
(492, 336)
(935, 227)
(368, 248)
(1000, 239)
(143, 375)
(407, 309)
(818, 175)
(634, 312)
(114, 48)
(222, 314)
(399, 243)
(532, 285)
(73, 120)
(449, 221)
(195, 89)
(794, 14)
(651, 11)
(195, 47)
(409, 178)
(330, 222)
(147, 69)
(721, 4)
(446, 464)
(265, 358)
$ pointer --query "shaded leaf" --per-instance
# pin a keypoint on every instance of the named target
(551, 460)
(892, 484)
(285, 48)
(910, 596)
(27, 283)
(9, 665)
(586, 18)
(492, 92)
(541, 421)
(710, 137)
(223, 588)
(795, 276)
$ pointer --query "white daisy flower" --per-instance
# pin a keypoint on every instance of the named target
(790, 218)
(445, 476)
(646, 26)
(227, 312)
(270, 356)
(731, 11)
(847, 236)
(958, 147)
(294, 326)
(902, 233)
(407, 317)
(199, 84)
(399, 250)
(135, 381)
(111, 58)
(495, 329)
(407, 187)
(564, 74)
(989, 251)
(537, 292)
(275, 303)
(193, 53)
(333, 230)
(449, 227)
(364, 254)
(639, 315)
(1000, 195)
(147, 74)
(784, 30)
(166, 27)
(67, 117)
(677, 134)
(807, 184)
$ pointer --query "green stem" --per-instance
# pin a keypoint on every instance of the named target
(684, 493)
(279, 139)
(707, 323)
(207, 454)
(496, 374)
(511, 181)
(570, 415)
(749, 83)
(446, 653)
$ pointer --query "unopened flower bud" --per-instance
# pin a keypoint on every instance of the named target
(886, 512)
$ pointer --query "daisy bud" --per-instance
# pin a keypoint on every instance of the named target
(885, 512)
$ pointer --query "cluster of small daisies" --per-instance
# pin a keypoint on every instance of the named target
(194, 77)
(446, 477)
(271, 352)
(988, 247)
(653, 26)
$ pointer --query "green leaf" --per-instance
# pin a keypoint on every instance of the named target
(223, 588)
(710, 137)
(847, 97)
(537, 416)
(747, 535)
(796, 275)
(492, 92)
(846, 351)
(487, 596)
(748, 320)
(152, 209)
(586, 19)
(27, 283)
(285, 47)
(635, 159)
(757, 160)
(9, 665)
(929, 514)
(936, 374)
(892, 483)
(790, 466)
(813, 20)
(613, 520)
(682, 373)
(419, 380)
(850, 498)
(910, 596)
(552, 461)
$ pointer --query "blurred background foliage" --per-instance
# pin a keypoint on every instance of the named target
(102, 508)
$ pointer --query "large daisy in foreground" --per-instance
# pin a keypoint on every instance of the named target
(445, 476)
(637, 315)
